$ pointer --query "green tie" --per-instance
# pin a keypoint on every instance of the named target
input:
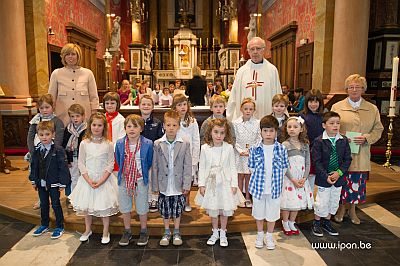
(333, 160)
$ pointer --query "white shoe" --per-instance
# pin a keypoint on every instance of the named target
(85, 238)
(105, 240)
(188, 208)
(259, 241)
(269, 242)
(214, 237)
(223, 240)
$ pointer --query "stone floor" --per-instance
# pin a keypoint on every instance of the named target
(375, 241)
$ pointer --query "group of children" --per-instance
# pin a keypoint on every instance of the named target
(161, 160)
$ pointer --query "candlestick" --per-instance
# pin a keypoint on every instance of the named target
(388, 152)
(392, 103)
(156, 41)
(137, 70)
(28, 101)
(200, 42)
(207, 42)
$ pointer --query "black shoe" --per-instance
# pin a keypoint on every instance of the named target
(327, 226)
(316, 228)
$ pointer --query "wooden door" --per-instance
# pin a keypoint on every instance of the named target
(305, 66)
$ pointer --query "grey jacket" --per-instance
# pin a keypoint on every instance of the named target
(182, 166)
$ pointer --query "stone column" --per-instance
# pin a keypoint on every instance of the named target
(14, 67)
(323, 42)
(350, 41)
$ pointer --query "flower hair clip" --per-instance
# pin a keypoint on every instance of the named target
(298, 119)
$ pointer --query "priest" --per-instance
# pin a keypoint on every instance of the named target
(258, 78)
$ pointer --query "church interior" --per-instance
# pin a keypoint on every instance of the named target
(314, 45)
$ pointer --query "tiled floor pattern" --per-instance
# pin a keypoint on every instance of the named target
(380, 229)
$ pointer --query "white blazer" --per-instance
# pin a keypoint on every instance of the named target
(227, 162)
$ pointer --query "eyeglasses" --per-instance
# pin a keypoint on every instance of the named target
(253, 49)
(355, 88)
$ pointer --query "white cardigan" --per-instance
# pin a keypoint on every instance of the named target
(192, 134)
(118, 130)
(227, 162)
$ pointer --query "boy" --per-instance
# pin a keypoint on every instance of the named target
(171, 175)
(266, 179)
(73, 135)
(332, 159)
(49, 175)
(153, 130)
(134, 156)
(217, 107)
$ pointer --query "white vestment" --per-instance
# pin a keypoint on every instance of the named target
(260, 81)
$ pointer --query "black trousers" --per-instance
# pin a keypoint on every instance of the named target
(54, 195)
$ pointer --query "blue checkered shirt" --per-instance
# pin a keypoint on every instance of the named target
(257, 164)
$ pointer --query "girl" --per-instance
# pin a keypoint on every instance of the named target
(312, 115)
(188, 129)
(280, 104)
(218, 192)
(46, 107)
(247, 132)
(165, 98)
(96, 193)
(156, 93)
(296, 192)
(115, 121)
(142, 91)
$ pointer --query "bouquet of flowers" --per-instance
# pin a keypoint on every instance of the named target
(225, 94)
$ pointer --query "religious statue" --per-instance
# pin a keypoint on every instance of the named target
(222, 58)
(116, 34)
(252, 28)
(148, 54)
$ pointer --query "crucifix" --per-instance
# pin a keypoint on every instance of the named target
(254, 84)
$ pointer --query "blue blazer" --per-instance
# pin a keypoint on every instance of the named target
(146, 157)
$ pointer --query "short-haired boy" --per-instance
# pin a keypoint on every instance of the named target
(134, 156)
(171, 175)
(217, 107)
(73, 135)
(266, 179)
(153, 130)
(49, 175)
(332, 159)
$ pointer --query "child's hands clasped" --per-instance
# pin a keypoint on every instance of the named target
(333, 177)
(202, 191)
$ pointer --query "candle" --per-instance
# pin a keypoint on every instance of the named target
(207, 42)
(137, 70)
(156, 41)
(392, 104)
(200, 42)
(169, 42)
(213, 41)
(29, 101)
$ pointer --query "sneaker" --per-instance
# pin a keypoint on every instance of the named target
(259, 241)
(269, 242)
(188, 208)
(41, 230)
(153, 206)
(248, 204)
(105, 239)
(195, 182)
(143, 239)
(177, 239)
(165, 240)
(126, 238)
(327, 226)
(57, 233)
(223, 240)
(213, 238)
(316, 228)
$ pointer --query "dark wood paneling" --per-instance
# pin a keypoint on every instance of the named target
(305, 66)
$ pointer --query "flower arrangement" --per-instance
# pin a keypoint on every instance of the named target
(225, 94)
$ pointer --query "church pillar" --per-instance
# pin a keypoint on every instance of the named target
(36, 41)
(323, 42)
(350, 41)
(14, 67)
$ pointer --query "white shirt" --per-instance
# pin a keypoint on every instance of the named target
(355, 105)
(268, 151)
(132, 148)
